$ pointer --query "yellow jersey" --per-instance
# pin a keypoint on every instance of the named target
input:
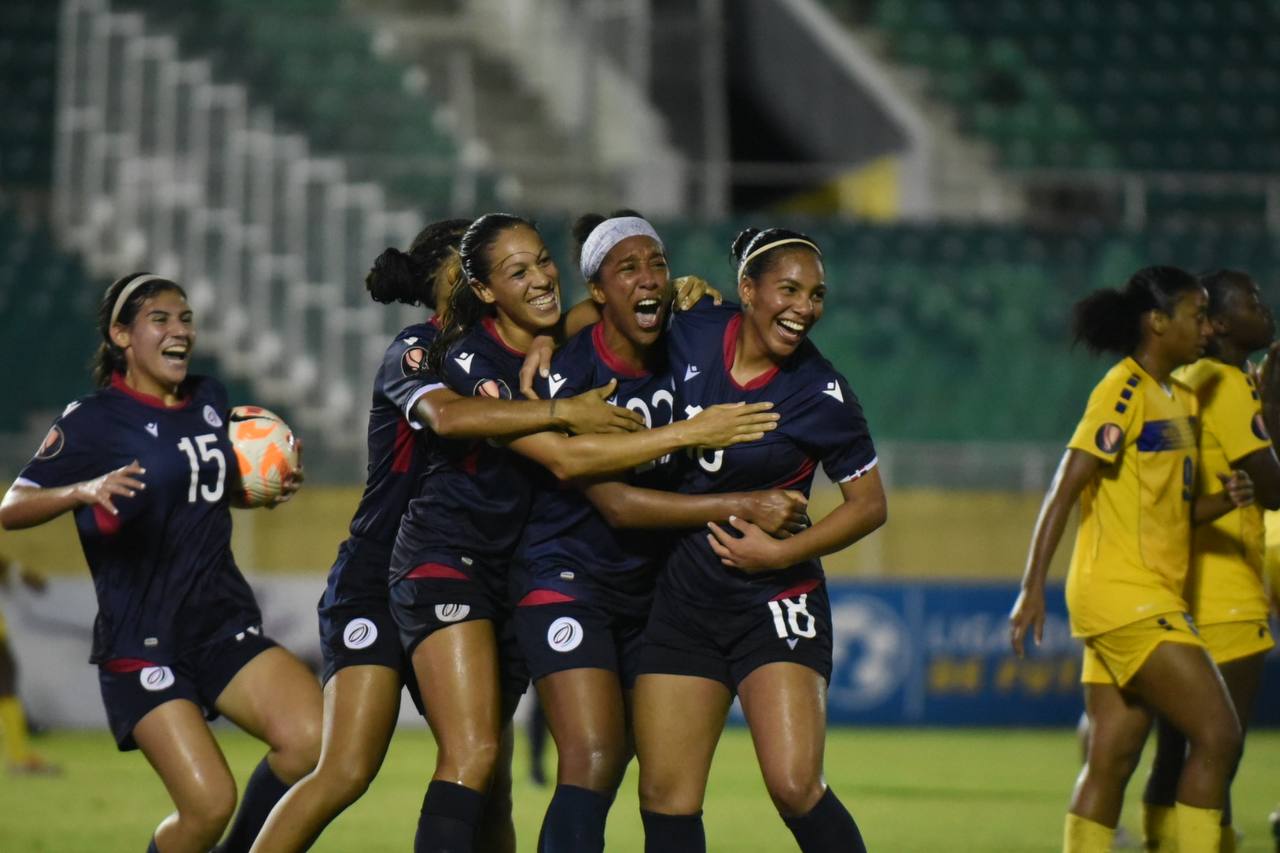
(1134, 541)
(1225, 583)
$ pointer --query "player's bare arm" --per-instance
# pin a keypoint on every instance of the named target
(29, 506)
(777, 512)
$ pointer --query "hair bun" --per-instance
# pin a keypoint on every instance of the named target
(738, 250)
(394, 278)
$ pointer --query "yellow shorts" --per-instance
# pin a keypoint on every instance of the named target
(1116, 656)
(1228, 641)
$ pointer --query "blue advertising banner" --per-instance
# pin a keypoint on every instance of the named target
(928, 653)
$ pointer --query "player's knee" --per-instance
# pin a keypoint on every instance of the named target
(346, 781)
(668, 794)
(794, 793)
(472, 758)
(1219, 741)
(595, 763)
(296, 747)
(206, 814)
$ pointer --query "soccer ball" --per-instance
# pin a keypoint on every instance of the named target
(265, 450)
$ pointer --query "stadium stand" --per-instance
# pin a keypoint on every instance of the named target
(28, 70)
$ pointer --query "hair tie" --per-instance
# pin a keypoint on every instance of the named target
(608, 234)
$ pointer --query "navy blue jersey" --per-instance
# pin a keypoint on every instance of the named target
(163, 571)
(821, 421)
(568, 546)
(397, 460)
(474, 496)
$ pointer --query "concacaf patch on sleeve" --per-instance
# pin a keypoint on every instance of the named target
(1260, 427)
(493, 388)
(412, 360)
(1109, 438)
(52, 444)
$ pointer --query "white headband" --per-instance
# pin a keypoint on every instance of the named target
(742, 267)
(127, 291)
(608, 234)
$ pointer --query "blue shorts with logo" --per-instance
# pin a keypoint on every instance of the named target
(131, 688)
(557, 635)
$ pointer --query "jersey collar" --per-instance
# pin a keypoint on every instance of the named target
(491, 326)
(731, 349)
(118, 383)
(611, 359)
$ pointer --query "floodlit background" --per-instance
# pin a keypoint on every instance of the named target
(969, 168)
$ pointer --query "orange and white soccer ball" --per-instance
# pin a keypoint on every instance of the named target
(266, 451)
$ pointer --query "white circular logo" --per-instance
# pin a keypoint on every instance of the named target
(871, 654)
(565, 634)
(212, 418)
(360, 633)
(452, 612)
(156, 678)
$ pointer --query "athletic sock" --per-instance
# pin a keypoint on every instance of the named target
(827, 827)
(673, 833)
(1081, 835)
(1199, 830)
(152, 848)
(260, 796)
(447, 823)
(13, 726)
(575, 821)
(1159, 828)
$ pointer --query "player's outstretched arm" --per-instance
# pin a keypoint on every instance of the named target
(863, 510)
(1075, 471)
(451, 415)
(582, 456)
(28, 506)
(777, 512)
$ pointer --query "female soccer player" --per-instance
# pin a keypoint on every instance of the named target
(364, 664)
(715, 629)
(1225, 586)
(585, 588)
(1132, 464)
(449, 592)
(143, 463)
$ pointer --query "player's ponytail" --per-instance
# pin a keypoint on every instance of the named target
(470, 263)
(411, 277)
(1110, 320)
(135, 288)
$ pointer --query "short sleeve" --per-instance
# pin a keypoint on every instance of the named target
(1107, 426)
(836, 430)
(70, 452)
(1233, 413)
(405, 377)
(472, 374)
(568, 376)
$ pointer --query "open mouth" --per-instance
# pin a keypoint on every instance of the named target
(791, 331)
(545, 302)
(177, 355)
(648, 313)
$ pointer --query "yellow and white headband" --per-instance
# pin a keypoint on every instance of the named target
(127, 291)
(742, 267)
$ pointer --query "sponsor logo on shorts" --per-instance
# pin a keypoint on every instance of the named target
(52, 444)
(1108, 438)
(452, 612)
(155, 678)
(211, 417)
(412, 360)
(360, 633)
(565, 634)
(1260, 427)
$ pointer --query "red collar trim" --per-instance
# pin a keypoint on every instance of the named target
(611, 359)
(118, 383)
(491, 326)
(434, 320)
(731, 349)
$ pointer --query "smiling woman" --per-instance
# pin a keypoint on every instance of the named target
(143, 465)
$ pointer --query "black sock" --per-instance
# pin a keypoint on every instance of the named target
(827, 827)
(448, 820)
(152, 848)
(673, 833)
(260, 796)
(575, 821)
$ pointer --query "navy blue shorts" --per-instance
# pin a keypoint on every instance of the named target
(686, 638)
(557, 635)
(362, 633)
(443, 592)
(131, 689)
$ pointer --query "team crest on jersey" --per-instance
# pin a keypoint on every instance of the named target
(52, 444)
(360, 633)
(211, 417)
(493, 388)
(1108, 438)
(412, 360)
(155, 678)
(1260, 427)
(565, 634)
(452, 612)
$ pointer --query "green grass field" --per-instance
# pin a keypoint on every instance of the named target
(911, 790)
